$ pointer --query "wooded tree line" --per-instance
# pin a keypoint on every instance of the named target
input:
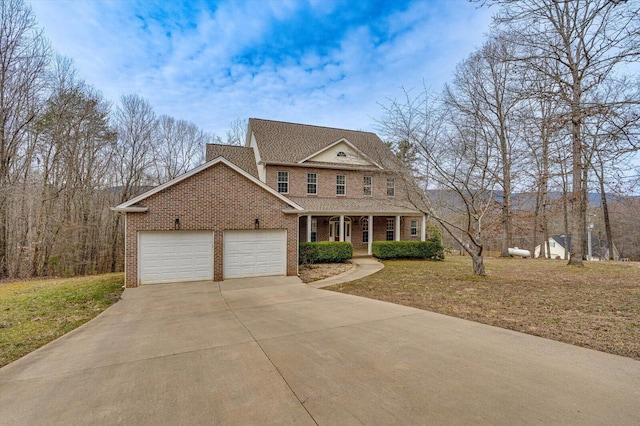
(549, 104)
(67, 155)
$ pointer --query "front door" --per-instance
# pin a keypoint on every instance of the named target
(334, 229)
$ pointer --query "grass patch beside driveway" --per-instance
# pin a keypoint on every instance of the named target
(33, 313)
(597, 306)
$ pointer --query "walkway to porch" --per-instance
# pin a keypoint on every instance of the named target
(357, 253)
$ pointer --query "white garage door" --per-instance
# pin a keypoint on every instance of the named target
(255, 253)
(174, 256)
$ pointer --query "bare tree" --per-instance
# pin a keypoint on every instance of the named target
(135, 124)
(612, 137)
(455, 161)
(24, 55)
(537, 114)
(485, 90)
(237, 133)
(578, 45)
(177, 147)
(72, 158)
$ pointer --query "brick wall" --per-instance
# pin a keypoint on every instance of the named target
(327, 182)
(216, 199)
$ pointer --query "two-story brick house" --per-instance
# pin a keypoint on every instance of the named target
(245, 210)
(345, 180)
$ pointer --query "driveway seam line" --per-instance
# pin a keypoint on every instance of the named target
(283, 303)
(72, 372)
(270, 361)
(337, 327)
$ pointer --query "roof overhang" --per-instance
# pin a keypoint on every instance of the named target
(129, 206)
(322, 166)
(131, 209)
(354, 212)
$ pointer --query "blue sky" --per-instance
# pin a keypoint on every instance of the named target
(320, 62)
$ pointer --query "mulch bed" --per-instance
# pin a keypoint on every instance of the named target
(319, 271)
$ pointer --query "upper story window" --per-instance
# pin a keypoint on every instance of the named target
(391, 186)
(312, 183)
(341, 154)
(367, 185)
(283, 182)
(341, 184)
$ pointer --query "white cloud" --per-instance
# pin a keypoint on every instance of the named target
(186, 62)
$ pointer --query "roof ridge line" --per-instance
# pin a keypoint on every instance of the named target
(225, 144)
(312, 125)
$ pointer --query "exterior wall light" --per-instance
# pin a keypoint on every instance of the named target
(256, 225)
(176, 224)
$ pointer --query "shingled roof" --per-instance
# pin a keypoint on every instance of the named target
(282, 142)
(321, 205)
(241, 156)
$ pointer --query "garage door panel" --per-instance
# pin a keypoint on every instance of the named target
(175, 256)
(254, 253)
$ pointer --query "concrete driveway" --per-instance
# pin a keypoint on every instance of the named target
(275, 351)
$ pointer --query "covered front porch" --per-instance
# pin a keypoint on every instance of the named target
(362, 229)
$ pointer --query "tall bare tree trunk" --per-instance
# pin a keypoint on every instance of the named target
(605, 213)
(578, 186)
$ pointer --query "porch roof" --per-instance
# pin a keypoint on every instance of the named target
(354, 206)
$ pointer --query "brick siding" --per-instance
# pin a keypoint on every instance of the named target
(327, 182)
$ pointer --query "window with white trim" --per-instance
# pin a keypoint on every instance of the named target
(341, 184)
(314, 230)
(365, 230)
(367, 181)
(283, 182)
(391, 186)
(414, 228)
(312, 183)
(391, 225)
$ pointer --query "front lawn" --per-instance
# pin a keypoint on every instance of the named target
(33, 313)
(597, 306)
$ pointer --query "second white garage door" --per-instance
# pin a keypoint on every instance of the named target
(175, 256)
(255, 253)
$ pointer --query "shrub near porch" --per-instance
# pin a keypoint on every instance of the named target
(430, 249)
(325, 252)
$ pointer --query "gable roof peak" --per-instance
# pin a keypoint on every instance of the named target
(127, 205)
(285, 142)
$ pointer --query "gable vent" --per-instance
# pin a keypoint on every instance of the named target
(341, 154)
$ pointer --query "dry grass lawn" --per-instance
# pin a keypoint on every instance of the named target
(33, 313)
(597, 306)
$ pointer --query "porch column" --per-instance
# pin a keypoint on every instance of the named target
(397, 228)
(308, 228)
(341, 227)
(423, 229)
(370, 239)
